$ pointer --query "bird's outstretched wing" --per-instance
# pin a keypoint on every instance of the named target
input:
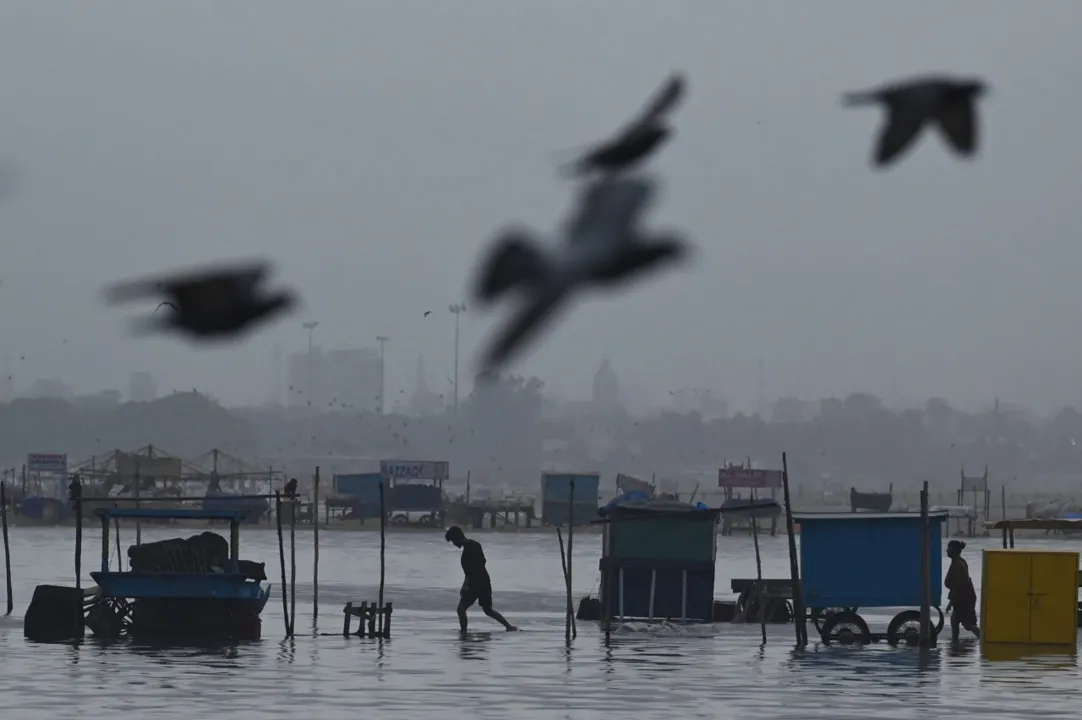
(901, 127)
(664, 100)
(524, 324)
(958, 124)
(166, 304)
(244, 274)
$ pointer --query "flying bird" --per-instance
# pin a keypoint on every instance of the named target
(209, 304)
(603, 247)
(165, 304)
(427, 313)
(948, 103)
(637, 140)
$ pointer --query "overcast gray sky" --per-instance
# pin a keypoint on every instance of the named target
(373, 147)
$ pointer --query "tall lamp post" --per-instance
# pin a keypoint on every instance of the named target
(310, 327)
(456, 309)
(381, 339)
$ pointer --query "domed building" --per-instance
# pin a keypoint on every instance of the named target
(606, 394)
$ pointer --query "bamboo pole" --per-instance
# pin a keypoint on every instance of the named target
(758, 567)
(570, 541)
(606, 582)
(293, 563)
(382, 541)
(926, 639)
(77, 502)
(138, 494)
(800, 621)
(567, 587)
(116, 535)
(282, 559)
(7, 547)
(315, 545)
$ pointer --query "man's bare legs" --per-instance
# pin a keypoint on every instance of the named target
(463, 621)
(497, 617)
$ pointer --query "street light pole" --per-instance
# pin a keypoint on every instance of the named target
(456, 309)
(381, 339)
(310, 327)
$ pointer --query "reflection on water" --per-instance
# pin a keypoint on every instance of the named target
(652, 671)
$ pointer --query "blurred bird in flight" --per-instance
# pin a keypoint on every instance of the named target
(949, 103)
(603, 246)
(212, 303)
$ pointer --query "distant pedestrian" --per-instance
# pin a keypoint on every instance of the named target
(962, 596)
(477, 587)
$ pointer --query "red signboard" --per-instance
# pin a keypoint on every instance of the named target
(746, 478)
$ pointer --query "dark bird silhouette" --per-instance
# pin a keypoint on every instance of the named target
(948, 103)
(165, 304)
(208, 304)
(291, 488)
(603, 247)
(427, 313)
(636, 141)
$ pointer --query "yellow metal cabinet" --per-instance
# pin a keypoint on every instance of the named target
(1029, 597)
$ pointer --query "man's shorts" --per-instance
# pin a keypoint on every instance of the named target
(481, 594)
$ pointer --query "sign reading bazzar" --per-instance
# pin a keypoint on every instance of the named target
(415, 469)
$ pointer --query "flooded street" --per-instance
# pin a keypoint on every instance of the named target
(426, 669)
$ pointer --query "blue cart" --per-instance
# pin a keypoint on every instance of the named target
(850, 561)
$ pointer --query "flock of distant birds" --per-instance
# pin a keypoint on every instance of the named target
(603, 241)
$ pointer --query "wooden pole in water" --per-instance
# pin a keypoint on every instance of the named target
(382, 541)
(570, 540)
(282, 558)
(758, 567)
(293, 563)
(7, 548)
(567, 587)
(76, 493)
(315, 545)
(116, 534)
(925, 572)
(800, 621)
(138, 523)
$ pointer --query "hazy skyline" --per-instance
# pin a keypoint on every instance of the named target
(372, 149)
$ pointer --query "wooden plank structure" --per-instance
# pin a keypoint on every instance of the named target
(1007, 527)
(375, 620)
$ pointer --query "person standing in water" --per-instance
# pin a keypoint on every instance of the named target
(477, 587)
(961, 595)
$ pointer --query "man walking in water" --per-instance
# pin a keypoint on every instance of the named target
(477, 588)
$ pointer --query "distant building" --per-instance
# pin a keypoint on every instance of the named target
(343, 379)
(142, 388)
(606, 391)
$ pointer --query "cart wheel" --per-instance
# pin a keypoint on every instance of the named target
(845, 628)
(904, 628)
(819, 615)
(938, 628)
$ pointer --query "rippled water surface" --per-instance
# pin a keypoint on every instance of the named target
(426, 668)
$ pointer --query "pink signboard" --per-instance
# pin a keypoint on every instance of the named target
(747, 478)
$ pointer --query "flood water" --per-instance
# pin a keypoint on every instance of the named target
(427, 671)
